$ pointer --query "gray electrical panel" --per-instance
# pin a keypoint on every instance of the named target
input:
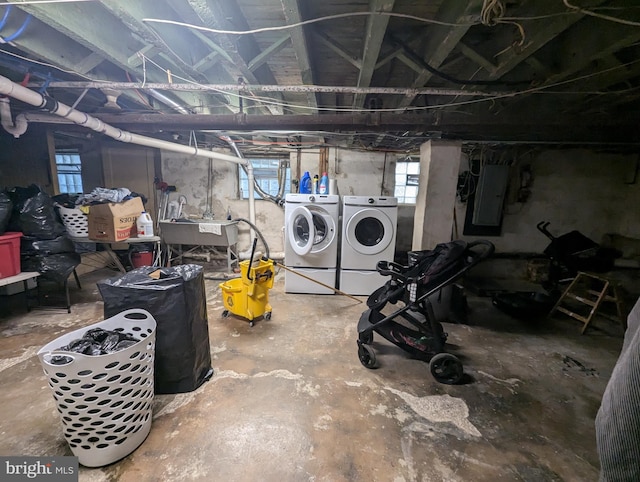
(490, 194)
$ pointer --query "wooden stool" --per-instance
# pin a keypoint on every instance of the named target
(594, 298)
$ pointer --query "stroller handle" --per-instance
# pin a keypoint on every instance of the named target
(389, 268)
(477, 256)
(473, 255)
(542, 227)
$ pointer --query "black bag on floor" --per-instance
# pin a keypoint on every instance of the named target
(54, 267)
(34, 214)
(6, 206)
(177, 301)
(30, 246)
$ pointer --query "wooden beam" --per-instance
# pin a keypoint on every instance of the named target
(89, 63)
(292, 14)
(471, 54)
(216, 14)
(179, 49)
(484, 126)
(374, 35)
(337, 48)
(442, 39)
(148, 51)
(70, 20)
(273, 49)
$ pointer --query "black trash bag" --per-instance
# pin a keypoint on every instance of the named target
(95, 342)
(55, 267)
(177, 301)
(6, 206)
(66, 200)
(34, 214)
(30, 246)
(524, 305)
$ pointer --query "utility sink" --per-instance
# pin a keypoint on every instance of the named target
(203, 232)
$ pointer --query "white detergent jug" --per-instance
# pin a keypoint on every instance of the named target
(144, 225)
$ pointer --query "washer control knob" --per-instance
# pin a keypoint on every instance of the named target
(371, 200)
(312, 199)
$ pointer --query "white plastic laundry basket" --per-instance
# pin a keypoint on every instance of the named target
(76, 222)
(105, 401)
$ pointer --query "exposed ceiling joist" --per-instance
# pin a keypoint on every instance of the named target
(337, 48)
(102, 41)
(442, 40)
(270, 51)
(374, 35)
(215, 14)
(291, 9)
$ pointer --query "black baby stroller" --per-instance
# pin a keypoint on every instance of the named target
(426, 274)
(573, 252)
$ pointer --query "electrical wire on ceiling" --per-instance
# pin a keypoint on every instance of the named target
(450, 78)
(492, 13)
(599, 15)
(308, 22)
(538, 89)
(37, 2)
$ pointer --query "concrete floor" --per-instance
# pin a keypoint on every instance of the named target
(290, 401)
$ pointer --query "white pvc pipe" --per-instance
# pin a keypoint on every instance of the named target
(11, 89)
(20, 126)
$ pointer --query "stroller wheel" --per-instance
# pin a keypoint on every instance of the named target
(366, 355)
(366, 338)
(446, 368)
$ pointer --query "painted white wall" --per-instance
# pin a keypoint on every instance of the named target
(189, 174)
(356, 173)
(573, 189)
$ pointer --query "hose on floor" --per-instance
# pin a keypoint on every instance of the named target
(255, 228)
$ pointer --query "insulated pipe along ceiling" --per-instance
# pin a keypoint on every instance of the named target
(16, 91)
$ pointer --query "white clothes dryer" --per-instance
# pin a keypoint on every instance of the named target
(311, 242)
(369, 226)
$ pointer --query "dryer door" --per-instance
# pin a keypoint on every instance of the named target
(369, 231)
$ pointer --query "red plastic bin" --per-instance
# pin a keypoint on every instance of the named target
(9, 254)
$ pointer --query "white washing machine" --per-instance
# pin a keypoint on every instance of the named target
(368, 235)
(311, 242)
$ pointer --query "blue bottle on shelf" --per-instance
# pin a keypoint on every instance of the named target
(305, 183)
(323, 187)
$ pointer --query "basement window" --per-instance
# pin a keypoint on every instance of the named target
(407, 174)
(69, 167)
(265, 172)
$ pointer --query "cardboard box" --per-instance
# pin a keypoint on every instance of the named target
(113, 222)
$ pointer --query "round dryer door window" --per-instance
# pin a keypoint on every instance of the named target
(369, 231)
(311, 230)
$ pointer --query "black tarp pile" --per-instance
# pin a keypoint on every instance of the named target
(176, 299)
(95, 342)
(6, 206)
(44, 246)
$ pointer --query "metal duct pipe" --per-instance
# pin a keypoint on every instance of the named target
(11, 89)
(20, 126)
(170, 102)
(256, 186)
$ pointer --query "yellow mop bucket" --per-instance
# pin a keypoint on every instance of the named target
(248, 296)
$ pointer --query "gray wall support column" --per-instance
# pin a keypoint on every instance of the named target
(439, 166)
